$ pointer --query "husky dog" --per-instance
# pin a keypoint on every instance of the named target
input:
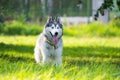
(49, 45)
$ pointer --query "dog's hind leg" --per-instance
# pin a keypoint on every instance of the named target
(37, 55)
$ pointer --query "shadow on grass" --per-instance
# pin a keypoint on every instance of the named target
(98, 54)
(17, 48)
(70, 54)
(90, 51)
(6, 51)
(13, 58)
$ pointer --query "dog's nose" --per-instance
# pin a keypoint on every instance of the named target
(56, 33)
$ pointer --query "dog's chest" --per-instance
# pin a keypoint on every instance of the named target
(51, 50)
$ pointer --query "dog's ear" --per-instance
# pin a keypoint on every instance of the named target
(50, 19)
(58, 19)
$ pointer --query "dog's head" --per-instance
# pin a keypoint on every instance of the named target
(53, 29)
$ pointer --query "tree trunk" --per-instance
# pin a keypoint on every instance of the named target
(26, 9)
(43, 7)
(50, 7)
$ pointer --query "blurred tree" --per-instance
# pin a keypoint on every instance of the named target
(43, 7)
(7, 7)
(116, 10)
(26, 9)
(108, 4)
(50, 6)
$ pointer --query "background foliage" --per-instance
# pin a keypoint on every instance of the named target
(15, 9)
(92, 29)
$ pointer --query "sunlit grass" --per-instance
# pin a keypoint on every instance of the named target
(84, 58)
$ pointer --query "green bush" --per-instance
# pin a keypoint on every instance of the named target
(19, 28)
(1, 27)
(92, 29)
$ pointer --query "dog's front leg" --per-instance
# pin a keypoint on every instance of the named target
(45, 56)
(45, 59)
(58, 56)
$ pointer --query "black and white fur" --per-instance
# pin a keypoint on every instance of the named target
(49, 44)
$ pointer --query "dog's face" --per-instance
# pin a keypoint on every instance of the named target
(53, 29)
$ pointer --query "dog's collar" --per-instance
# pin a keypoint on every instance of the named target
(55, 47)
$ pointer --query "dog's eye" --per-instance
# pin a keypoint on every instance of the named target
(52, 27)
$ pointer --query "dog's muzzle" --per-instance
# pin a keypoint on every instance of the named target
(54, 37)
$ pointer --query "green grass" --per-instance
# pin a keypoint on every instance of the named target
(84, 58)
(91, 52)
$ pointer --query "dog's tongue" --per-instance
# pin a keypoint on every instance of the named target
(55, 40)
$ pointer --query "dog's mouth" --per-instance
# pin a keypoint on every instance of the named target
(54, 38)
(51, 34)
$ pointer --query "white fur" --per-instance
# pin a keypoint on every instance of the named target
(44, 51)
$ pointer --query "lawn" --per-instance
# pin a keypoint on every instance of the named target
(84, 58)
